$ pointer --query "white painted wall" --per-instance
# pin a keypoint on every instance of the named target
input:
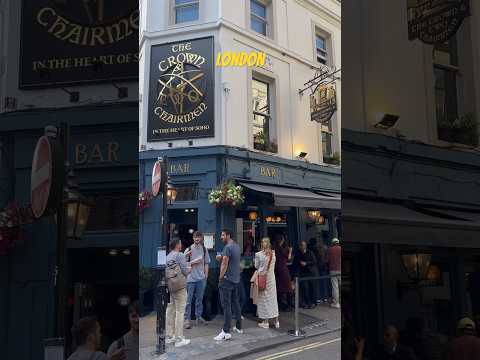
(292, 55)
(10, 22)
(384, 72)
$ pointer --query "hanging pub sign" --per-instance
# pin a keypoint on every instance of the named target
(435, 21)
(181, 95)
(323, 103)
(70, 42)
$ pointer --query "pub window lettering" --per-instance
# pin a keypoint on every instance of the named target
(96, 153)
(186, 10)
(264, 134)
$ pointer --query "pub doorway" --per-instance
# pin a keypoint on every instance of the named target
(104, 288)
(182, 224)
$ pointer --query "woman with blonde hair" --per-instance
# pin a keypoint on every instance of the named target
(264, 288)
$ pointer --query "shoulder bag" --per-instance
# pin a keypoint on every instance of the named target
(262, 278)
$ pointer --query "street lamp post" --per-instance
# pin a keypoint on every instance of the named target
(72, 212)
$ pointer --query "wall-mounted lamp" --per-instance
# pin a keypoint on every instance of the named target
(419, 270)
(74, 95)
(171, 195)
(302, 155)
(386, 121)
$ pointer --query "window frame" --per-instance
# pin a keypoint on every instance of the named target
(176, 6)
(269, 116)
(269, 18)
(328, 131)
(318, 50)
(318, 31)
(258, 17)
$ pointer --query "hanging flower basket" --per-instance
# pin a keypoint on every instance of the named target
(226, 195)
(11, 219)
(144, 199)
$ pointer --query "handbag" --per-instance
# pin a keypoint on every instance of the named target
(262, 278)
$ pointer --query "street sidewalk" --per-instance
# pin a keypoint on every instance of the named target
(315, 322)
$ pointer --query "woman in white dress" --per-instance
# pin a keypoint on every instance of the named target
(267, 306)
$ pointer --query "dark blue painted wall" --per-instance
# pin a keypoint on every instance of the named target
(26, 281)
(210, 166)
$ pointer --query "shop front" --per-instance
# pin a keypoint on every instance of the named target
(291, 198)
(101, 265)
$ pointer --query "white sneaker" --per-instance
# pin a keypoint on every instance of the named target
(182, 342)
(277, 325)
(264, 325)
(336, 306)
(238, 331)
(223, 336)
(170, 339)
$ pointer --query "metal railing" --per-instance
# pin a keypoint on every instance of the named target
(297, 331)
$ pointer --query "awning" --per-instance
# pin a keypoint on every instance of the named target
(297, 197)
(379, 222)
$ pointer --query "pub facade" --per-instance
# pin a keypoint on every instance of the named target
(217, 121)
(410, 209)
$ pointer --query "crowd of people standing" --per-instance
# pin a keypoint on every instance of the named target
(271, 286)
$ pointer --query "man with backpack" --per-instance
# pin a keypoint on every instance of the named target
(176, 273)
(198, 257)
(129, 341)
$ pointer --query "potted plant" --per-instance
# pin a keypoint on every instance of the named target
(11, 219)
(145, 287)
(333, 160)
(462, 130)
(226, 194)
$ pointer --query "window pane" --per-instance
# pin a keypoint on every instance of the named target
(115, 211)
(187, 13)
(185, 193)
(258, 25)
(326, 144)
(258, 9)
(180, 2)
(260, 97)
(321, 43)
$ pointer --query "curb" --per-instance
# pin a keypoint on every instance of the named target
(292, 339)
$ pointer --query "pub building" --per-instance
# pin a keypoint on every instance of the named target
(101, 264)
(248, 125)
(410, 192)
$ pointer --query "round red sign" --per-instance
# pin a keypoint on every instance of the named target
(156, 177)
(41, 180)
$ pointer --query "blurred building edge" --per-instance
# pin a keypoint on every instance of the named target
(250, 124)
(49, 80)
(410, 190)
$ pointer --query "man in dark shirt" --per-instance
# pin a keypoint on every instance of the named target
(304, 264)
(466, 346)
(228, 281)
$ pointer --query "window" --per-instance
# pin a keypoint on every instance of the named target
(327, 148)
(183, 192)
(113, 212)
(186, 10)
(263, 129)
(321, 49)
(258, 17)
(446, 71)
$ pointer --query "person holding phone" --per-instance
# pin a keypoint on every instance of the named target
(199, 259)
(129, 341)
